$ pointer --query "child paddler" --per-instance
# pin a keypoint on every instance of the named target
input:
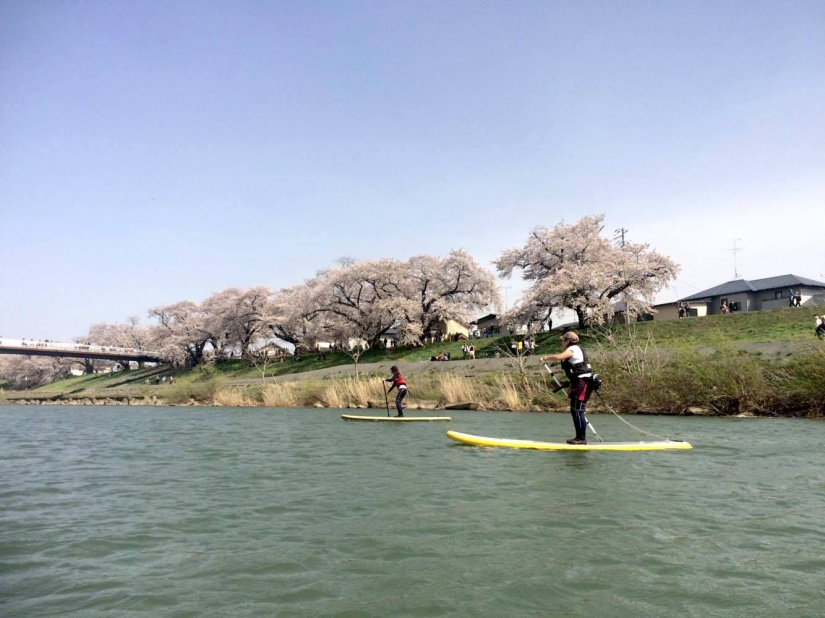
(398, 381)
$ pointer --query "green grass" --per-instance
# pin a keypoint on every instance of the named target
(787, 325)
(776, 326)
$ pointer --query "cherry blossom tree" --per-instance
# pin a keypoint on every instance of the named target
(294, 311)
(455, 287)
(24, 372)
(351, 306)
(358, 301)
(350, 337)
(574, 266)
(361, 301)
(237, 317)
(129, 335)
(365, 299)
(181, 334)
(92, 365)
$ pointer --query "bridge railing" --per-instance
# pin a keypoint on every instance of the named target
(74, 347)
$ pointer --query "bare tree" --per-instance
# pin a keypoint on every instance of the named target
(263, 356)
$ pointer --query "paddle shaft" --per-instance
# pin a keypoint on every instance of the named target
(386, 398)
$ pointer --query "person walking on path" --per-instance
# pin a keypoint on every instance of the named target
(399, 382)
(576, 366)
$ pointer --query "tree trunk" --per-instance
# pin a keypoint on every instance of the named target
(195, 353)
(581, 314)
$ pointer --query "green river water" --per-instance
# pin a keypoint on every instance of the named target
(130, 511)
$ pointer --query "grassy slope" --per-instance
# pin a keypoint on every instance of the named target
(781, 326)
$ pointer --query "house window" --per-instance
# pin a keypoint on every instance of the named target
(778, 295)
(735, 307)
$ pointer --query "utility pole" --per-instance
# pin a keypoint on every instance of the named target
(735, 250)
(505, 288)
(618, 237)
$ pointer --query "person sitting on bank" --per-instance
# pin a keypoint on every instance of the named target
(576, 366)
(819, 323)
(398, 381)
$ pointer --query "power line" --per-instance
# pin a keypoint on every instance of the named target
(618, 236)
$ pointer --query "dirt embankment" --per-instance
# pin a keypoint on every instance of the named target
(478, 366)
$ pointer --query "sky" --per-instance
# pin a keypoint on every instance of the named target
(159, 151)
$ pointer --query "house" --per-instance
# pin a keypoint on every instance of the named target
(390, 338)
(488, 325)
(755, 295)
(449, 330)
(670, 311)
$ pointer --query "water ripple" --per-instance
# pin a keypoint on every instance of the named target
(222, 512)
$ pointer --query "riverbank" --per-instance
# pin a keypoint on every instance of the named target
(763, 363)
(722, 381)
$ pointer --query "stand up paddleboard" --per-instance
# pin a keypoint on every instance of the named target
(397, 419)
(466, 438)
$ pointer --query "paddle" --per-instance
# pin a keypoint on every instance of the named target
(386, 399)
(560, 386)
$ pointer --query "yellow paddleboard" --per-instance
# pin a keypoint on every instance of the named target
(467, 438)
(402, 419)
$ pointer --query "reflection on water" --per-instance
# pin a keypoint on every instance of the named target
(173, 511)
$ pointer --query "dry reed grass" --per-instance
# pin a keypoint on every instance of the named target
(508, 394)
(280, 395)
(232, 398)
(348, 392)
(454, 389)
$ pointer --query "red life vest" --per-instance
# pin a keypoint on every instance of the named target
(398, 379)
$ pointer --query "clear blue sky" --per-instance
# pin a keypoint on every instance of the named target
(152, 152)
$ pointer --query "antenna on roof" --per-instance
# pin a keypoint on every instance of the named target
(735, 251)
(505, 288)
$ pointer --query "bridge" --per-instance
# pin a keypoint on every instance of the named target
(32, 347)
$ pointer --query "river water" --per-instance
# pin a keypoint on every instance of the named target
(110, 511)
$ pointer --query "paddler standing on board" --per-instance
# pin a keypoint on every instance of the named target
(576, 367)
(398, 381)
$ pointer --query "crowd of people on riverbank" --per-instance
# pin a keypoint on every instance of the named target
(160, 380)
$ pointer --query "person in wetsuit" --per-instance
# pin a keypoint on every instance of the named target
(399, 382)
(576, 367)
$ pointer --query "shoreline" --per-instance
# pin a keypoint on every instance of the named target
(469, 406)
(727, 380)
